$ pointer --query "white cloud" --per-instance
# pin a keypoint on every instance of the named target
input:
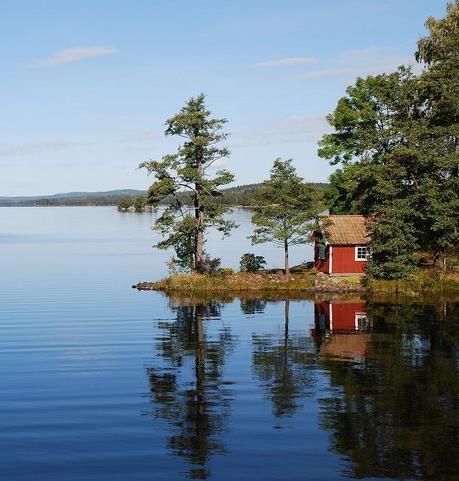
(365, 61)
(287, 62)
(337, 72)
(305, 129)
(26, 149)
(70, 55)
(368, 54)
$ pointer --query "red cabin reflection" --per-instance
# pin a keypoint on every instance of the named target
(341, 329)
(340, 316)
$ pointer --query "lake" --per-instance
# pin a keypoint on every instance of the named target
(102, 382)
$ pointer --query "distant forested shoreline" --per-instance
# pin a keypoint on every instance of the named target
(240, 195)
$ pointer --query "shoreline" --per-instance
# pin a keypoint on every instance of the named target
(304, 284)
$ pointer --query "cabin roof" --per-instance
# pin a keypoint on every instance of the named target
(345, 229)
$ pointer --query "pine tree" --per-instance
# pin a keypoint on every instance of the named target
(185, 221)
(285, 205)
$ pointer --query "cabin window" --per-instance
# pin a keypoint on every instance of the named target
(361, 321)
(321, 252)
(362, 253)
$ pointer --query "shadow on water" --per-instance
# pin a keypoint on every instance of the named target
(390, 407)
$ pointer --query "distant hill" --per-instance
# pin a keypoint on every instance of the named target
(109, 197)
(238, 195)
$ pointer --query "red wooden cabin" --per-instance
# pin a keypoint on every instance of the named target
(341, 245)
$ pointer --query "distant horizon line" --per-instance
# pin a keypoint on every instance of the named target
(113, 191)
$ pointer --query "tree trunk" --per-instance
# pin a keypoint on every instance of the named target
(286, 270)
(199, 216)
(440, 260)
(456, 145)
(199, 247)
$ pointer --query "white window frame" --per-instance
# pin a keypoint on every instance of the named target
(356, 253)
(360, 318)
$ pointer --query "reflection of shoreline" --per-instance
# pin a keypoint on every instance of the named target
(191, 298)
(228, 297)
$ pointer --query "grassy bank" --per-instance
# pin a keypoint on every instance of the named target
(424, 283)
(241, 282)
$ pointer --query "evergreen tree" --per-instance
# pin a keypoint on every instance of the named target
(284, 208)
(185, 220)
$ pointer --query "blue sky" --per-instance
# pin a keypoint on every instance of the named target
(87, 85)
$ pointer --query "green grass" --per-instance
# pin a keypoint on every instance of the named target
(422, 283)
(273, 282)
(242, 282)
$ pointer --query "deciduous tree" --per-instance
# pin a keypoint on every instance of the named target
(396, 138)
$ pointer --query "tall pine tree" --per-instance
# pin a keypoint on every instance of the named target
(184, 222)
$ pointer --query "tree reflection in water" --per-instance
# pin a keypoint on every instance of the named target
(283, 365)
(391, 407)
(252, 306)
(395, 414)
(196, 409)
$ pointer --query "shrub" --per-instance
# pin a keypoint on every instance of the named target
(208, 266)
(251, 262)
(139, 204)
(124, 204)
(226, 271)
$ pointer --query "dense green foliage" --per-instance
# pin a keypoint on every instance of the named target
(285, 205)
(251, 263)
(183, 225)
(395, 137)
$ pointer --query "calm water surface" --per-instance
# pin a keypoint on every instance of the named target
(101, 382)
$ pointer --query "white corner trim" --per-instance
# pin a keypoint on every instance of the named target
(330, 315)
(330, 259)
